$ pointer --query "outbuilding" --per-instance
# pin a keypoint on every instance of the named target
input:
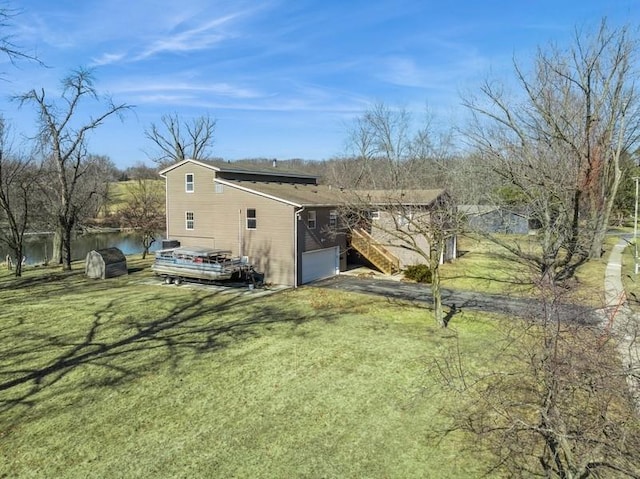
(105, 263)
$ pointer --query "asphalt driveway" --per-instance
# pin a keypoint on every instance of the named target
(456, 301)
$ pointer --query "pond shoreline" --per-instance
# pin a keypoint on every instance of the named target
(87, 230)
(38, 247)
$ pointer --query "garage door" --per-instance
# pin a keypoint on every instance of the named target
(321, 263)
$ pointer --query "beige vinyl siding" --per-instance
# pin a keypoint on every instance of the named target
(406, 257)
(270, 246)
(200, 202)
(220, 222)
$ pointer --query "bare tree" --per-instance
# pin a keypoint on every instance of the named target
(140, 171)
(418, 218)
(558, 406)
(177, 140)
(387, 148)
(10, 49)
(559, 146)
(381, 141)
(417, 225)
(20, 200)
(144, 210)
(96, 187)
(62, 139)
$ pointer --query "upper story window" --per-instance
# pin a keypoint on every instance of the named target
(333, 218)
(219, 188)
(252, 219)
(311, 219)
(189, 183)
(190, 220)
(375, 215)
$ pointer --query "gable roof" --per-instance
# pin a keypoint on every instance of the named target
(397, 197)
(294, 194)
(232, 168)
(325, 195)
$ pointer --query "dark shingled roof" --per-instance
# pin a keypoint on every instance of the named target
(225, 167)
(323, 195)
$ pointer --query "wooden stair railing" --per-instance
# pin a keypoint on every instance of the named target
(377, 254)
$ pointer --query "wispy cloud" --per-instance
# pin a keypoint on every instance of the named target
(199, 38)
(185, 90)
(107, 59)
(442, 75)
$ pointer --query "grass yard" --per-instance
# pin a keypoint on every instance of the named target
(130, 378)
(120, 193)
(485, 267)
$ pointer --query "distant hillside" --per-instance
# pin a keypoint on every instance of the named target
(119, 194)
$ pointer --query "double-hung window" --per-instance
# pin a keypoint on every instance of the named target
(189, 220)
(311, 219)
(189, 183)
(333, 218)
(252, 219)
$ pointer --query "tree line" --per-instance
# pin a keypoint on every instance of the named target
(558, 145)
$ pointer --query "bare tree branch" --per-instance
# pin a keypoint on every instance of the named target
(178, 140)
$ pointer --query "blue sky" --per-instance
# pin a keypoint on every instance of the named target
(283, 78)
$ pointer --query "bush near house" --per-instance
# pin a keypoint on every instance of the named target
(420, 273)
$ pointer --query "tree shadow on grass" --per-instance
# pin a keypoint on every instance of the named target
(30, 281)
(125, 347)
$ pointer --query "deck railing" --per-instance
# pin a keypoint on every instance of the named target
(373, 251)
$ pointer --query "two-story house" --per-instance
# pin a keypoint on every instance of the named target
(288, 225)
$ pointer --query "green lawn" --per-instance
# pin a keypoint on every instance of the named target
(130, 378)
(486, 267)
(119, 193)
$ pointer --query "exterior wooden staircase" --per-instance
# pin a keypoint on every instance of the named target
(374, 252)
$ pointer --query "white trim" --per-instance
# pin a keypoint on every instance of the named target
(255, 218)
(249, 190)
(164, 172)
(312, 216)
(333, 217)
(297, 216)
(187, 183)
(186, 221)
(166, 208)
(275, 172)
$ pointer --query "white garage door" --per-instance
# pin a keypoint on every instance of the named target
(321, 263)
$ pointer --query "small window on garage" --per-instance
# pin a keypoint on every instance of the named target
(333, 218)
(311, 219)
(189, 183)
(190, 220)
(252, 219)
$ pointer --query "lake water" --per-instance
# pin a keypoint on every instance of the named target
(38, 247)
